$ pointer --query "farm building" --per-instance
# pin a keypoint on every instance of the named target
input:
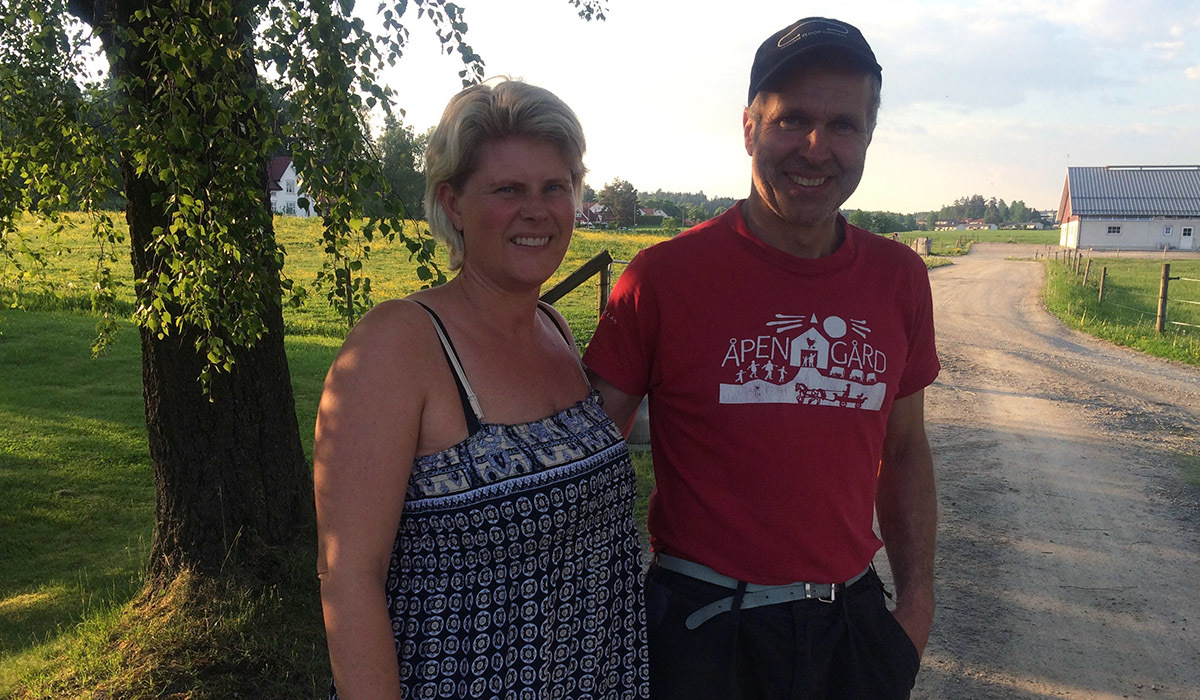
(1142, 207)
(282, 184)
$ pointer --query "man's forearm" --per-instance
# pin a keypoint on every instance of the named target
(906, 503)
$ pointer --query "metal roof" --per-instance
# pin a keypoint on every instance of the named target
(1134, 191)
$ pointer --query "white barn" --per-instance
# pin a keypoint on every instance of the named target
(1143, 207)
(284, 188)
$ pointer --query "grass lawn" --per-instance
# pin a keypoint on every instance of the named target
(74, 475)
(1127, 314)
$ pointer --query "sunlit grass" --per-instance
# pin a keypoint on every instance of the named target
(1128, 313)
(959, 242)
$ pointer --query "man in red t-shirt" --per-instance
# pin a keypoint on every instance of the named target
(785, 354)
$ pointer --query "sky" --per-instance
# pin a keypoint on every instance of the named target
(989, 97)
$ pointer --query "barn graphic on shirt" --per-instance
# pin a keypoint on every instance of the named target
(807, 360)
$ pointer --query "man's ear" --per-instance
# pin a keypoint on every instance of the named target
(748, 125)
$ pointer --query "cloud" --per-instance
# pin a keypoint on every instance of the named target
(1167, 49)
(1170, 110)
(1192, 73)
(997, 54)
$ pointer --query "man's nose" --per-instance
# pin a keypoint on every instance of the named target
(817, 143)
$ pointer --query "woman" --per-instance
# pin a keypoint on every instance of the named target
(474, 503)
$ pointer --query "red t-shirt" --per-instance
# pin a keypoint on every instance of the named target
(770, 380)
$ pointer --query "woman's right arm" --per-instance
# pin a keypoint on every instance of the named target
(367, 427)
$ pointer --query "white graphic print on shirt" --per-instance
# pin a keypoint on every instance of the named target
(808, 361)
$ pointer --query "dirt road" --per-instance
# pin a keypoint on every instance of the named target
(1069, 547)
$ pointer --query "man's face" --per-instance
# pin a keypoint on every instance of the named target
(807, 138)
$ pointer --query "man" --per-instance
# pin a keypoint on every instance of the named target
(785, 354)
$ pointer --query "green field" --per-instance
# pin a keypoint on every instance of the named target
(1128, 312)
(65, 279)
(950, 243)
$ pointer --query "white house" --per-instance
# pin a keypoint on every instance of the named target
(284, 188)
(1142, 207)
(592, 213)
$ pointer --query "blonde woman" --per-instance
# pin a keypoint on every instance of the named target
(474, 502)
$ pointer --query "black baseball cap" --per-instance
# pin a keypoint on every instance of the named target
(806, 36)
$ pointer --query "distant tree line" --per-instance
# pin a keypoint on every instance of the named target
(975, 207)
(991, 211)
(882, 221)
(620, 197)
(687, 206)
(401, 152)
(681, 208)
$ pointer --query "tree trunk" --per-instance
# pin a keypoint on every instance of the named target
(229, 469)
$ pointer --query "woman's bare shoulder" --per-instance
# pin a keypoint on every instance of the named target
(394, 341)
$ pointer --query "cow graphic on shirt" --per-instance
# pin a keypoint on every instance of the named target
(806, 360)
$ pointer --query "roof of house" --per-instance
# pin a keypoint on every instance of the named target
(1144, 190)
(275, 170)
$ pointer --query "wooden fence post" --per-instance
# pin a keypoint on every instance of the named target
(605, 286)
(1161, 321)
(1103, 276)
(1086, 271)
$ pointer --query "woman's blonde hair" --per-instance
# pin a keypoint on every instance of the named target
(489, 112)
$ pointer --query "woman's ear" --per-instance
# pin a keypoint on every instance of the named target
(449, 201)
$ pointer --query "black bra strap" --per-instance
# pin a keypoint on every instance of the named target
(570, 343)
(474, 420)
(543, 309)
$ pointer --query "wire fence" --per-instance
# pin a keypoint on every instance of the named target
(1144, 291)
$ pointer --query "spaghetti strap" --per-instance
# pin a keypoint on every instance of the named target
(471, 410)
(543, 307)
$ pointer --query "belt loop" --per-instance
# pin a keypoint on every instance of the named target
(737, 596)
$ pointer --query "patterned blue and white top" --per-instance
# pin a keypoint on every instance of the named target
(516, 570)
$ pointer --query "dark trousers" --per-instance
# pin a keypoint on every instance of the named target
(850, 649)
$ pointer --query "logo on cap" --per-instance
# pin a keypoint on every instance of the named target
(827, 27)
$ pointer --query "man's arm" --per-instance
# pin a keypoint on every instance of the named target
(906, 503)
(619, 406)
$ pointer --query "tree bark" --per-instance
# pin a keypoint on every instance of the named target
(229, 469)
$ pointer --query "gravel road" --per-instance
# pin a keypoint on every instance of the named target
(1069, 545)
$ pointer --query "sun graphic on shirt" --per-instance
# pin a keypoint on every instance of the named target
(834, 327)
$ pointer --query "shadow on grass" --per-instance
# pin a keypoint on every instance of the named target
(76, 478)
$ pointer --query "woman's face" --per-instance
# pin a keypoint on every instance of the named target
(516, 212)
